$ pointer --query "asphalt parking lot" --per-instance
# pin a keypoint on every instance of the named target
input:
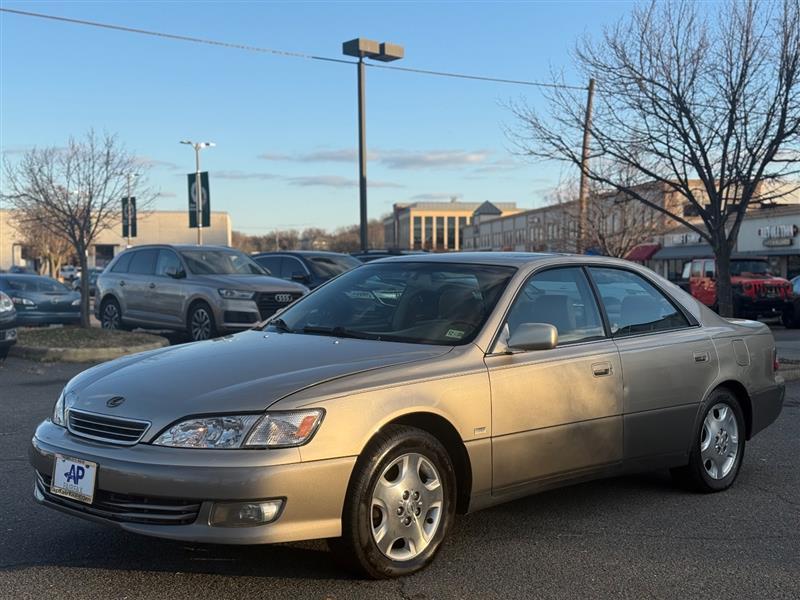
(631, 537)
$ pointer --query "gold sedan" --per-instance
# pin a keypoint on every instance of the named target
(374, 409)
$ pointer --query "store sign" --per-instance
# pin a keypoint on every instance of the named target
(777, 231)
(683, 239)
(777, 242)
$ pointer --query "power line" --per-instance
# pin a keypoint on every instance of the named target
(248, 48)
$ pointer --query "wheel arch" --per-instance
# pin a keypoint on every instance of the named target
(738, 390)
(444, 431)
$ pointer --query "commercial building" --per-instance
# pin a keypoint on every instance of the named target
(154, 227)
(436, 225)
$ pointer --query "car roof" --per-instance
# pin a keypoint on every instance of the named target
(301, 253)
(181, 247)
(511, 259)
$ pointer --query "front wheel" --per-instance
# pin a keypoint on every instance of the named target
(718, 450)
(400, 504)
(201, 322)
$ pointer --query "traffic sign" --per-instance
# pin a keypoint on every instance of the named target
(205, 203)
(129, 218)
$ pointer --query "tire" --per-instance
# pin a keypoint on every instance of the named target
(200, 323)
(403, 487)
(718, 448)
(111, 315)
(791, 318)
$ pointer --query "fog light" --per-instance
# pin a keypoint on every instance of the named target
(244, 514)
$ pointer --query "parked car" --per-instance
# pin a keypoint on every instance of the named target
(791, 317)
(311, 268)
(203, 290)
(372, 417)
(41, 300)
(8, 323)
(756, 292)
(69, 272)
(93, 273)
(371, 255)
(20, 270)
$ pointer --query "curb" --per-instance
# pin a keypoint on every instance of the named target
(80, 355)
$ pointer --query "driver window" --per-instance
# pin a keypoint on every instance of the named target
(562, 298)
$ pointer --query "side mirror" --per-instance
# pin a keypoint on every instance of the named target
(175, 273)
(534, 336)
(300, 276)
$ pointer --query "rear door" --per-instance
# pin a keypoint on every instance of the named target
(668, 363)
(167, 293)
(137, 289)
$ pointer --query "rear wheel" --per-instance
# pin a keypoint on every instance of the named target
(201, 324)
(400, 504)
(718, 451)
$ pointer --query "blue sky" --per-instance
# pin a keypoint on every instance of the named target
(285, 128)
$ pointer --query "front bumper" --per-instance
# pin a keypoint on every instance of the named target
(48, 318)
(313, 492)
(767, 405)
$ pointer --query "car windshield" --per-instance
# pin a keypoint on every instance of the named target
(329, 266)
(30, 283)
(220, 262)
(747, 267)
(422, 303)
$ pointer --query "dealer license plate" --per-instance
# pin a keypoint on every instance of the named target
(74, 478)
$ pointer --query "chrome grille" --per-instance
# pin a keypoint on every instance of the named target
(269, 302)
(106, 429)
(126, 507)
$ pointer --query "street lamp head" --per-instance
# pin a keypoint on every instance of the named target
(364, 48)
(390, 52)
(187, 142)
(207, 144)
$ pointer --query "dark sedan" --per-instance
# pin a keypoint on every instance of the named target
(310, 268)
(93, 273)
(41, 300)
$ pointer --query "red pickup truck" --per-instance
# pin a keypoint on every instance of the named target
(756, 292)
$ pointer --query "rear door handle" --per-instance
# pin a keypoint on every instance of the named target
(701, 357)
(601, 369)
(152, 285)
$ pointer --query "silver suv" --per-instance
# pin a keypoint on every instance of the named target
(204, 290)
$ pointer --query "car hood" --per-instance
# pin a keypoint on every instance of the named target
(255, 283)
(241, 373)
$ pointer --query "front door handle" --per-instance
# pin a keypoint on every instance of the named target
(602, 369)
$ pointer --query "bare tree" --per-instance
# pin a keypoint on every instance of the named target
(53, 249)
(686, 95)
(74, 192)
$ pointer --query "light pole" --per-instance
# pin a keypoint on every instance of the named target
(129, 177)
(362, 48)
(198, 185)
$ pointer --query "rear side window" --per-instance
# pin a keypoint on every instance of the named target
(143, 262)
(562, 298)
(123, 264)
(633, 304)
(271, 263)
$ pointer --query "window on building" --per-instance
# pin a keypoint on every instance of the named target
(451, 233)
(417, 233)
(427, 242)
(440, 233)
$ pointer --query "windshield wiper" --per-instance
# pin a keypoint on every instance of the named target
(280, 325)
(339, 331)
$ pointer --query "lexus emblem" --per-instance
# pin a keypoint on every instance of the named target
(115, 401)
(283, 298)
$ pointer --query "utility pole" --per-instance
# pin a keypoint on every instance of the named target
(129, 177)
(583, 197)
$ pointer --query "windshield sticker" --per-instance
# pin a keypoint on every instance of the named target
(456, 334)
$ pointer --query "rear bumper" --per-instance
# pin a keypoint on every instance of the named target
(313, 492)
(767, 405)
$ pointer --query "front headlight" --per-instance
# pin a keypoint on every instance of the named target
(6, 305)
(65, 400)
(76, 302)
(236, 294)
(23, 301)
(271, 430)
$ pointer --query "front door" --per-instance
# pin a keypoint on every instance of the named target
(555, 412)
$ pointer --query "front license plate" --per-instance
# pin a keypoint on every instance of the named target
(74, 478)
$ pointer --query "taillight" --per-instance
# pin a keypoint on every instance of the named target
(775, 364)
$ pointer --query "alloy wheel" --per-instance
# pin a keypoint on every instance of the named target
(719, 441)
(407, 507)
(110, 316)
(200, 324)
